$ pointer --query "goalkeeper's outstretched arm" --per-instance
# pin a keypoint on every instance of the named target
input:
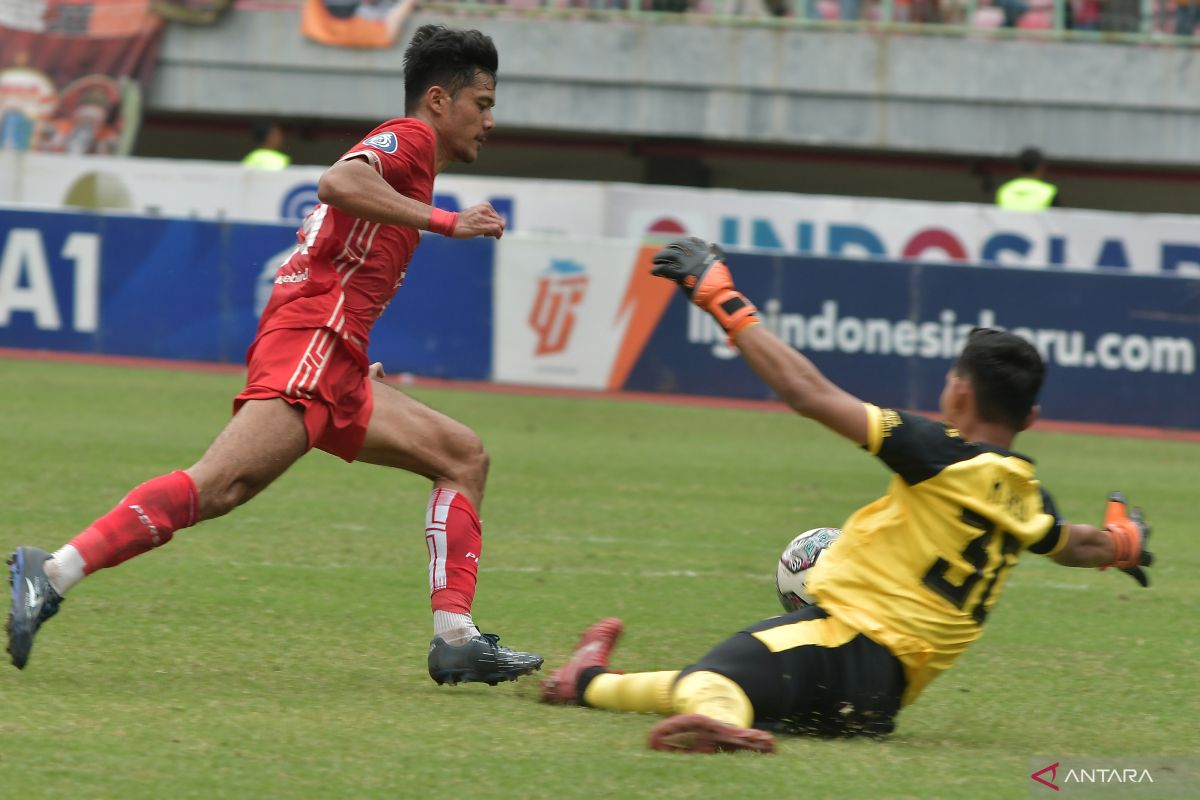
(801, 385)
(1121, 543)
(699, 269)
(1087, 546)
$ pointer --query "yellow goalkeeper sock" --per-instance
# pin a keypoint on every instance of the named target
(713, 696)
(645, 692)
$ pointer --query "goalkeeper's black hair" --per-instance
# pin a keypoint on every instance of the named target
(1007, 373)
(446, 57)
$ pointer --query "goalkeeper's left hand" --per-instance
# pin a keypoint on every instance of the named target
(699, 269)
(1129, 533)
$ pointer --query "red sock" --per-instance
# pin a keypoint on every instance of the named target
(146, 518)
(455, 540)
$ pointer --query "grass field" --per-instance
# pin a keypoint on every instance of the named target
(279, 652)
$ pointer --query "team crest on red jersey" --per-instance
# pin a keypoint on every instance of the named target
(382, 141)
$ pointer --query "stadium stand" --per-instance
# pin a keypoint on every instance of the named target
(1140, 20)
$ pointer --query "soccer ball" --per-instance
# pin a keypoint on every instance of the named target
(798, 558)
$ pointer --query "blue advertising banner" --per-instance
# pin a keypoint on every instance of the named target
(131, 286)
(186, 289)
(440, 323)
(1120, 348)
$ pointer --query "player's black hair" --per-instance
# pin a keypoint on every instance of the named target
(1007, 374)
(1030, 159)
(441, 56)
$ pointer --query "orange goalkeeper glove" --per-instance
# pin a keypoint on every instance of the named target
(699, 269)
(1129, 533)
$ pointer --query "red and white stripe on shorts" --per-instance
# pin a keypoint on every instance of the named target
(353, 255)
(312, 364)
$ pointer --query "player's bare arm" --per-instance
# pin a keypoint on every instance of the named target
(699, 269)
(1121, 543)
(801, 385)
(1087, 546)
(355, 188)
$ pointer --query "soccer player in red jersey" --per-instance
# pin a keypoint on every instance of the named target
(309, 383)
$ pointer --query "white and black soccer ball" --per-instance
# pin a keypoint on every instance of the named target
(798, 559)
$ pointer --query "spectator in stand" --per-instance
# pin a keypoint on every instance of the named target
(1030, 191)
(847, 11)
(1085, 15)
(757, 9)
(1013, 11)
(595, 5)
(268, 148)
(1187, 14)
(927, 12)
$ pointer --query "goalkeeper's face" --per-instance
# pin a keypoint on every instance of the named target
(469, 119)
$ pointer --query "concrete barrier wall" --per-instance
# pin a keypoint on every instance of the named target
(1085, 101)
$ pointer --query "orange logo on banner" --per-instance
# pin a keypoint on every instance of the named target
(559, 293)
(646, 298)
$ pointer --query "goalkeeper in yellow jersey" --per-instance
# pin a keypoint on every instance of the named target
(905, 589)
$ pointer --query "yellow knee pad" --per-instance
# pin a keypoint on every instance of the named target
(713, 696)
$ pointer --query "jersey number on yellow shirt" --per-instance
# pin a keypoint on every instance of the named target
(977, 553)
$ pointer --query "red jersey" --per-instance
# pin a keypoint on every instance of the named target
(345, 270)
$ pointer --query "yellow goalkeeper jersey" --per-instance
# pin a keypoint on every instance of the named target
(918, 569)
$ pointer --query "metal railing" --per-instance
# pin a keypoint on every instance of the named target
(1161, 22)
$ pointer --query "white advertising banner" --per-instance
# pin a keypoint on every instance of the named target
(220, 190)
(864, 228)
(762, 221)
(573, 312)
(166, 187)
(565, 208)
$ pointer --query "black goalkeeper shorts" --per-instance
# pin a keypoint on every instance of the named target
(798, 683)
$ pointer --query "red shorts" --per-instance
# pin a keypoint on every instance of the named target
(314, 370)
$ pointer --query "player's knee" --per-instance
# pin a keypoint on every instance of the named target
(217, 500)
(472, 461)
(465, 464)
(482, 461)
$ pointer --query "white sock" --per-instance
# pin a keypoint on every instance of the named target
(455, 628)
(64, 569)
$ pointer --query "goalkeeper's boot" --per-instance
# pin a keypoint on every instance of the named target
(481, 659)
(593, 651)
(33, 601)
(696, 733)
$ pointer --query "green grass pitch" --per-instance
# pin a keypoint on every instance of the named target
(279, 652)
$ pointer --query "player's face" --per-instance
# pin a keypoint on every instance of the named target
(469, 119)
